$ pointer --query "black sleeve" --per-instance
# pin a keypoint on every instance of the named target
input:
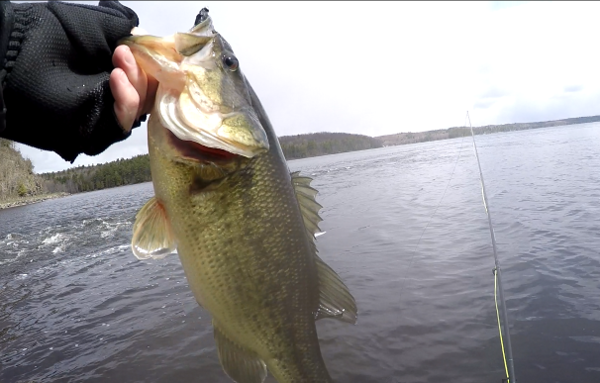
(57, 59)
(6, 25)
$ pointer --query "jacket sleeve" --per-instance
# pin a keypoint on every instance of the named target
(6, 25)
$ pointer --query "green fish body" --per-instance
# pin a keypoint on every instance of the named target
(243, 226)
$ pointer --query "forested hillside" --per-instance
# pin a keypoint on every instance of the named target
(442, 134)
(317, 144)
(16, 174)
(17, 180)
(137, 169)
(87, 178)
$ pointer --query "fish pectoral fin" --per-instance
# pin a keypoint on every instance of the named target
(152, 233)
(335, 298)
(240, 365)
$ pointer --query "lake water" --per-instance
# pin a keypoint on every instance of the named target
(407, 232)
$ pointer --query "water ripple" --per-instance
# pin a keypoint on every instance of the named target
(407, 232)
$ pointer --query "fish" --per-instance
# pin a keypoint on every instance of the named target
(244, 226)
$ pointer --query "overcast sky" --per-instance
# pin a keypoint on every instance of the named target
(382, 68)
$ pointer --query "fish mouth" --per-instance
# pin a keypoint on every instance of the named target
(236, 133)
(199, 153)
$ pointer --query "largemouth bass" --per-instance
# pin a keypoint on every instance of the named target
(243, 226)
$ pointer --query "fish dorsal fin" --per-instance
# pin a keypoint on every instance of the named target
(309, 207)
(152, 233)
(335, 298)
(240, 365)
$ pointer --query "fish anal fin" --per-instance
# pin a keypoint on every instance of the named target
(335, 300)
(240, 365)
(152, 233)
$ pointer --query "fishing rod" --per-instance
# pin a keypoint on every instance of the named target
(508, 362)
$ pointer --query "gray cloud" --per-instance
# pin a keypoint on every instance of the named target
(404, 68)
(570, 105)
(572, 88)
(483, 104)
(494, 92)
(490, 97)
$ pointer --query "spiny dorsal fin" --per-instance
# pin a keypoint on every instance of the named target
(239, 364)
(335, 298)
(308, 206)
(152, 233)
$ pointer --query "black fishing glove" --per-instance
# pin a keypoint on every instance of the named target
(57, 63)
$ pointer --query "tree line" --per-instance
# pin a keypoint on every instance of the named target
(460, 131)
(95, 177)
(317, 144)
(137, 169)
(17, 178)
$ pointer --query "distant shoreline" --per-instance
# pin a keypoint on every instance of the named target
(461, 131)
(30, 200)
(135, 170)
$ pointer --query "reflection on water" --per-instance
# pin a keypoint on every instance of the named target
(75, 305)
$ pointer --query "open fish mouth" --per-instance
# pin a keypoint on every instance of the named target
(198, 152)
(236, 132)
(202, 95)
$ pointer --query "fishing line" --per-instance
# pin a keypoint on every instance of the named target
(508, 363)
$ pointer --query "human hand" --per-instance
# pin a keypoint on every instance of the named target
(132, 89)
(58, 59)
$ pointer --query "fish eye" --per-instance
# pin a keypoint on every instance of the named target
(231, 62)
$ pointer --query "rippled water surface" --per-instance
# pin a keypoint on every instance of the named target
(406, 230)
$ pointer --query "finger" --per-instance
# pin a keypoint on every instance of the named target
(127, 99)
(123, 59)
(152, 83)
(150, 95)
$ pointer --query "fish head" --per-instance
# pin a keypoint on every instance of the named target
(203, 98)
